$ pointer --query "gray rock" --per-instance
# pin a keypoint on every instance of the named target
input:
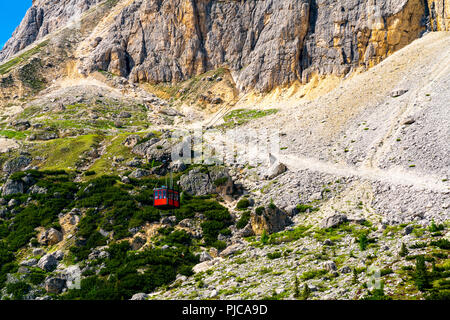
(271, 220)
(398, 93)
(231, 250)
(203, 266)
(408, 230)
(12, 187)
(346, 269)
(139, 173)
(275, 170)
(21, 125)
(13, 202)
(291, 210)
(38, 252)
(48, 263)
(124, 115)
(59, 255)
(29, 263)
(139, 296)
(170, 221)
(37, 190)
(329, 266)
(55, 285)
(104, 233)
(247, 231)
(125, 179)
(132, 140)
(409, 120)
(333, 221)
(205, 256)
(177, 166)
(23, 270)
(134, 163)
(50, 237)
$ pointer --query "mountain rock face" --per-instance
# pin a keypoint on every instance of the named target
(264, 44)
(43, 18)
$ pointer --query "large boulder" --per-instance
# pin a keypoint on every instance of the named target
(132, 140)
(50, 237)
(21, 125)
(155, 149)
(177, 166)
(275, 170)
(55, 285)
(333, 221)
(139, 173)
(29, 263)
(203, 266)
(13, 187)
(72, 275)
(270, 219)
(230, 250)
(16, 164)
(48, 263)
(202, 181)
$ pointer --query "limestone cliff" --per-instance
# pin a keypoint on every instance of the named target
(265, 44)
(43, 18)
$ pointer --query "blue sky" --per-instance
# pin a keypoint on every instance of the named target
(11, 14)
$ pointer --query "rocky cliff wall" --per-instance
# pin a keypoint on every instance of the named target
(43, 18)
(265, 43)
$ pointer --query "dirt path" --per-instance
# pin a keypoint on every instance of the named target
(391, 176)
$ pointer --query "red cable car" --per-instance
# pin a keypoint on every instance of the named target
(165, 198)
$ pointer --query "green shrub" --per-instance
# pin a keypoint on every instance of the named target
(221, 181)
(403, 251)
(296, 288)
(186, 270)
(363, 241)
(219, 245)
(37, 277)
(272, 206)
(259, 211)
(243, 204)
(434, 228)
(386, 271)
(421, 274)
(313, 274)
(243, 220)
(377, 294)
(304, 207)
(441, 243)
(264, 237)
(306, 292)
(17, 289)
(274, 255)
(419, 245)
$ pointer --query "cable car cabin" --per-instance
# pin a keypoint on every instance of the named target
(166, 199)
